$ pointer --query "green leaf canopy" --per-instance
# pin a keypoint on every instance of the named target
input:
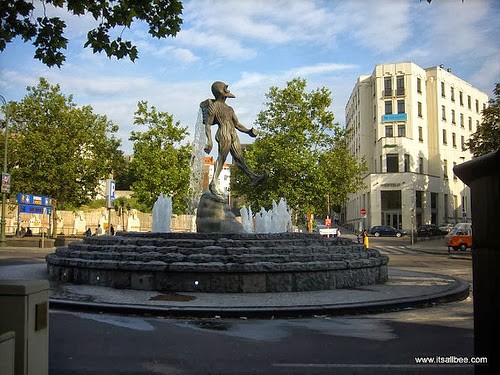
(57, 149)
(304, 151)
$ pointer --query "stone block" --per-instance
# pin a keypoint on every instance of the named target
(142, 281)
(344, 279)
(225, 283)
(279, 282)
(253, 283)
(307, 281)
(119, 280)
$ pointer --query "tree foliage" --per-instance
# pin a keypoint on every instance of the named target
(304, 151)
(57, 149)
(160, 163)
(486, 139)
(47, 33)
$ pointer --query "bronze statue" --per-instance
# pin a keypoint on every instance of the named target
(217, 112)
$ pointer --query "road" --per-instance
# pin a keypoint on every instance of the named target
(387, 343)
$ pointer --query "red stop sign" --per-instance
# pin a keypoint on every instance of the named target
(363, 211)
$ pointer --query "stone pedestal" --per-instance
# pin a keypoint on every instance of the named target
(215, 216)
(482, 174)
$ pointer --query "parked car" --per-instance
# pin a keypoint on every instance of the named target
(460, 237)
(386, 230)
(429, 230)
(446, 228)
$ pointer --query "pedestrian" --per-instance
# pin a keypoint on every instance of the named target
(88, 232)
(99, 231)
(112, 230)
(366, 241)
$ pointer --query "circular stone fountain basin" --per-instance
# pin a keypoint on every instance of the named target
(217, 263)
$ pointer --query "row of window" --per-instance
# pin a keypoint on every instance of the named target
(453, 118)
(460, 97)
(445, 167)
(453, 140)
(389, 131)
(392, 163)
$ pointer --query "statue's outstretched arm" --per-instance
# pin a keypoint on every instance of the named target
(242, 128)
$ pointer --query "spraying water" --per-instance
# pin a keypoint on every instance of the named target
(276, 220)
(197, 156)
(162, 214)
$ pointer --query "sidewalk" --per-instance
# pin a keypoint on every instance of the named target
(404, 289)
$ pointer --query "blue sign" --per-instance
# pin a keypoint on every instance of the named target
(36, 200)
(31, 209)
(395, 117)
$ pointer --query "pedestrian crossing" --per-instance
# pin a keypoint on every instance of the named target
(390, 249)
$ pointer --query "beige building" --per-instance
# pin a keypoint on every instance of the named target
(410, 125)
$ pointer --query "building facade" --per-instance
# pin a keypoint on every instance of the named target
(410, 124)
(208, 173)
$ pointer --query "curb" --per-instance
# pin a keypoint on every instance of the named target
(458, 291)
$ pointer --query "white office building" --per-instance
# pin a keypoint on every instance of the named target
(410, 125)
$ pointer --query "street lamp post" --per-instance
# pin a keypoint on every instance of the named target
(3, 240)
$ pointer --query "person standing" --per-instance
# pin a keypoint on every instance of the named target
(112, 230)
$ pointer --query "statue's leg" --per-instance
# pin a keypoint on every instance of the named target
(224, 148)
(237, 154)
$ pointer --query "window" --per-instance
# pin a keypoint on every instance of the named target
(462, 120)
(407, 163)
(421, 165)
(453, 117)
(419, 85)
(400, 85)
(477, 124)
(452, 93)
(419, 109)
(387, 86)
(454, 140)
(401, 106)
(443, 94)
(392, 163)
(401, 130)
(445, 168)
(470, 123)
(461, 98)
(462, 142)
(477, 106)
(469, 105)
(419, 199)
(388, 107)
(454, 176)
(420, 134)
(443, 112)
(445, 140)
(389, 131)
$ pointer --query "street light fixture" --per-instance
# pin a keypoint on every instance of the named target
(3, 239)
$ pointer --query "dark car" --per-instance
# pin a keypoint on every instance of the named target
(386, 230)
(429, 230)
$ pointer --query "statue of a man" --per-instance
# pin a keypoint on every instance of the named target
(217, 112)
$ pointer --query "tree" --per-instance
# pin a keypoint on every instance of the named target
(57, 149)
(487, 136)
(160, 164)
(304, 151)
(47, 34)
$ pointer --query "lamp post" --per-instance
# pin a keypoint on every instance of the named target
(3, 240)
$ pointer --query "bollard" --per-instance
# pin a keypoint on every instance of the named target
(24, 310)
(482, 175)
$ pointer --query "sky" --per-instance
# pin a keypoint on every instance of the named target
(255, 44)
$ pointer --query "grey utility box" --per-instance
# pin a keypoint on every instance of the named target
(24, 309)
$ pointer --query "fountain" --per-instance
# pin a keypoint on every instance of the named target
(162, 214)
(224, 256)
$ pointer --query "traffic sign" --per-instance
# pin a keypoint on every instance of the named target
(363, 212)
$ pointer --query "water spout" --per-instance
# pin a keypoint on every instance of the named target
(162, 214)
